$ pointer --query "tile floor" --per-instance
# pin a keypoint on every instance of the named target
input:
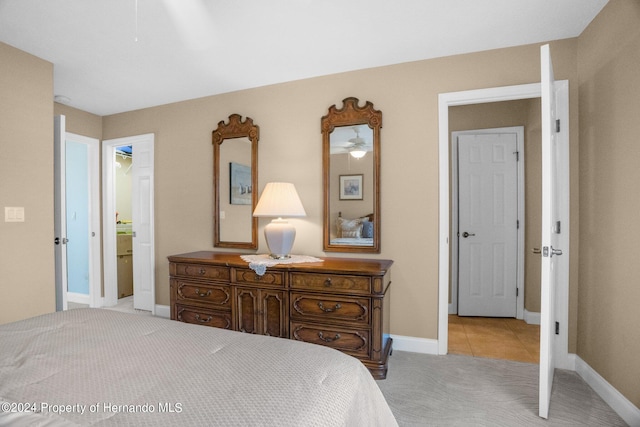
(494, 338)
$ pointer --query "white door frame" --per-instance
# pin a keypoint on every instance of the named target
(479, 96)
(519, 131)
(108, 217)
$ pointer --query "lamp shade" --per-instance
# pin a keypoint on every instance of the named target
(279, 199)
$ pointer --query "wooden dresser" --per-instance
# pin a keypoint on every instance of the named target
(341, 303)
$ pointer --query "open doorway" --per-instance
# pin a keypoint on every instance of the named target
(124, 222)
(495, 165)
(471, 98)
(128, 221)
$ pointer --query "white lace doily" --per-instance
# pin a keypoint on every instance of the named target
(259, 263)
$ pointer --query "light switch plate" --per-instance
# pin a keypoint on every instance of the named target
(13, 214)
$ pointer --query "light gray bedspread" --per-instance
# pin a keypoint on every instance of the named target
(101, 367)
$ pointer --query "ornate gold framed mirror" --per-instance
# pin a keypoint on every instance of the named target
(351, 177)
(235, 183)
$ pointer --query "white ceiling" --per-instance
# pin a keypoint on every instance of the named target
(193, 48)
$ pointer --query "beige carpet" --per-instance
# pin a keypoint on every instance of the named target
(455, 390)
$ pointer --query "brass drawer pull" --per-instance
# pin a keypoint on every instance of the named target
(329, 310)
(329, 339)
(203, 295)
(202, 271)
(207, 320)
(327, 282)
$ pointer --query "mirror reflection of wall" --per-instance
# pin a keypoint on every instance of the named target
(123, 182)
(235, 190)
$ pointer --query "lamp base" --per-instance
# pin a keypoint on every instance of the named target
(280, 236)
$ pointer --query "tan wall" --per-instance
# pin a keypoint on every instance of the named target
(79, 122)
(26, 180)
(290, 149)
(608, 318)
(506, 114)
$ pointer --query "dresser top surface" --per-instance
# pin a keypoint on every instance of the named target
(328, 264)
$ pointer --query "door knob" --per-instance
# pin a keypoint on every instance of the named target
(550, 251)
(466, 234)
(555, 251)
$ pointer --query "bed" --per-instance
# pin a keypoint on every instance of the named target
(101, 367)
(353, 231)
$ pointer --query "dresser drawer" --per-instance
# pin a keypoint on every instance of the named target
(325, 307)
(203, 271)
(248, 276)
(331, 282)
(349, 340)
(204, 317)
(213, 295)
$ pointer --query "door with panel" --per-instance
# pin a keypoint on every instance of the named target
(554, 277)
(488, 224)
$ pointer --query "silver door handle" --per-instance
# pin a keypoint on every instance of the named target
(549, 251)
(555, 251)
(466, 234)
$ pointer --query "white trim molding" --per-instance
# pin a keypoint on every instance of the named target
(162, 311)
(623, 407)
(531, 317)
(414, 344)
(78, 298)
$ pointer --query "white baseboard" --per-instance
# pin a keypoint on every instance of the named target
(78, 298)
(531, 317)
(162, 311)
(623, 407)
(415, 345)
(567, 363)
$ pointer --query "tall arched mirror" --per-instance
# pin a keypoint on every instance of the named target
(235, 183)
(351, 177)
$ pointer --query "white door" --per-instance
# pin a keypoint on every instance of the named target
(488, 225)
(553, 188)
(60, 222)
(142, 216)
(77, 217)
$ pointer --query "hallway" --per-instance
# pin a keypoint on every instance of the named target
(494, 338)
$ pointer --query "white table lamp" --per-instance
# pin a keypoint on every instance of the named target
(279, 199)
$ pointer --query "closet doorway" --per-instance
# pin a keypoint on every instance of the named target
(129, 255)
